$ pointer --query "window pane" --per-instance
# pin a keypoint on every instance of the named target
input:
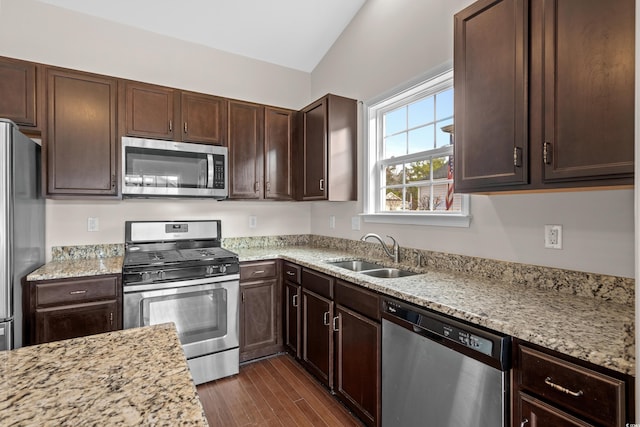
(395, 146)
(421, 139)
(444, 104)
(440, 168)
(419, 171)
(395, 121)
(440, 197)
(421, 112)
(393, 175)
(443, 138)
(419, 197)
(393, 199)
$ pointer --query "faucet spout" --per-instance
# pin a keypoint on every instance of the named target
(394, 253)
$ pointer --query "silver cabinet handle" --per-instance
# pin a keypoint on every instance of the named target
(290, 273)
(546, 153)
(322, 184)
(80, 292)
(258, 272)
(185, 127)
(294, 301)
(548, 381)
(524, 422)
(325, 318)
(335, 324)
(170, 125)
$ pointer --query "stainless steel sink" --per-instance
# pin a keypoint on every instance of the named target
(388, 273)
(356, 265)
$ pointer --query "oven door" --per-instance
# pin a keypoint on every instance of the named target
(205, 315)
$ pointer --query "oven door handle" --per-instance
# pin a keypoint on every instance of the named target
(209, 170)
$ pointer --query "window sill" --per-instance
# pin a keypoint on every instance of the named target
(438, 220)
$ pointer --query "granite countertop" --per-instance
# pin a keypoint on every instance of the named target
(131, 377)
(591, 329)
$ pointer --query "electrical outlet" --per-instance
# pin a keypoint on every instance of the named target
(93, 224)
(553, 236)
(332, 221)
(253, 221)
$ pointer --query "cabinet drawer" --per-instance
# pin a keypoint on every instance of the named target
(258, 270)
(357, 299)
(77, 290)
(317, 283)
(575, 388)
(292, 272)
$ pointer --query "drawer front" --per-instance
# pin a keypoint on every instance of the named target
(292, 272)
(575, 388)
(258, 270)
(317, 283)
(357, 299)
(77, 290)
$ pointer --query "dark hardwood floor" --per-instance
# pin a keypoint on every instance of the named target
(272, 392)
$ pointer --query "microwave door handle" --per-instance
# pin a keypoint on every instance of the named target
(209, 170)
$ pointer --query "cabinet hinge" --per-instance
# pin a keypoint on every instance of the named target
(517, 157)
(546, 153)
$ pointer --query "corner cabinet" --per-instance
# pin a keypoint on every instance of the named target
(544, 94)
(260, 310)
(81, 143)
(329, 150)
(19, 94)
(260, 140)
(159, 112)
(69, 308)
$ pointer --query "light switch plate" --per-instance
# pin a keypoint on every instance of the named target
(253, 221)
(355, 223)
(93, 224)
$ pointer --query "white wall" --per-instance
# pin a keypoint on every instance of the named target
(42, 33)
(390, 43)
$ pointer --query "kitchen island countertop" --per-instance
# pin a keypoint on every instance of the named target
(132, 377)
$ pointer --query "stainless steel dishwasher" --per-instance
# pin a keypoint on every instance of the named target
(440, 372)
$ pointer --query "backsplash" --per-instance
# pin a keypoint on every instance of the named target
(609, 288)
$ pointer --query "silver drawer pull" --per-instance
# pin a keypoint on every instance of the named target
(335, 324)
(258, 272)
(83, 291)
(548, 381)
(294, 301)
(325, 319)
(524, 422)
(290, 273)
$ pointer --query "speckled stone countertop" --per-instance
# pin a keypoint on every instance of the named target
(135, 377)
(591, 329)
(588, 316)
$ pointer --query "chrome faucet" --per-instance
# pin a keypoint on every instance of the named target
(396, 249)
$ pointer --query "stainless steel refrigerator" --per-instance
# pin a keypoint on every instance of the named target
(22, 224)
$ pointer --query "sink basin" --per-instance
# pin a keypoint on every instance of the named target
(388, 273)
(356, 265)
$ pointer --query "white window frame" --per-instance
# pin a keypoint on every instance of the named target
(372, 129)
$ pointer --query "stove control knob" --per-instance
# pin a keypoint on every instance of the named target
(223, 268)
(144, 276)
(161, 274)
(210, 269)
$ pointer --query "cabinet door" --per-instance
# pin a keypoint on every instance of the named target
(278, 174)
(531, 412)
(259, 318)
(18, 91)
(589, 76)
(490, 79)
(245, 140)
(292, 329)
(203, 118)
(150, 111)
(82, 134)
(314, 151)
(63, 322)
(357, 380)
(317, 342)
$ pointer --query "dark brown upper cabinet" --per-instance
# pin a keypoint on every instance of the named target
(160, 112)
(19, 92)
(260, 140)
(81, 144)
(543, 94)
(328, 155)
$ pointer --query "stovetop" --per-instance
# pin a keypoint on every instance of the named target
(211, 255)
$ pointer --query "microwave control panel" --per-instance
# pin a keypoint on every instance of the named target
(218, 171)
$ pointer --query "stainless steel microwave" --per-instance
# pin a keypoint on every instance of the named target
(155, 168)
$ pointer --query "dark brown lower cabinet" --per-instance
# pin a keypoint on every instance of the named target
(317, 336)
(292, 296)
(357, 379)
(70, 308)
(536, 413)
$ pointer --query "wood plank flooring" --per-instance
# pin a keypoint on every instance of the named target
(272, 392)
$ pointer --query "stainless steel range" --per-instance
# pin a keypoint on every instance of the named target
(177, 271)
